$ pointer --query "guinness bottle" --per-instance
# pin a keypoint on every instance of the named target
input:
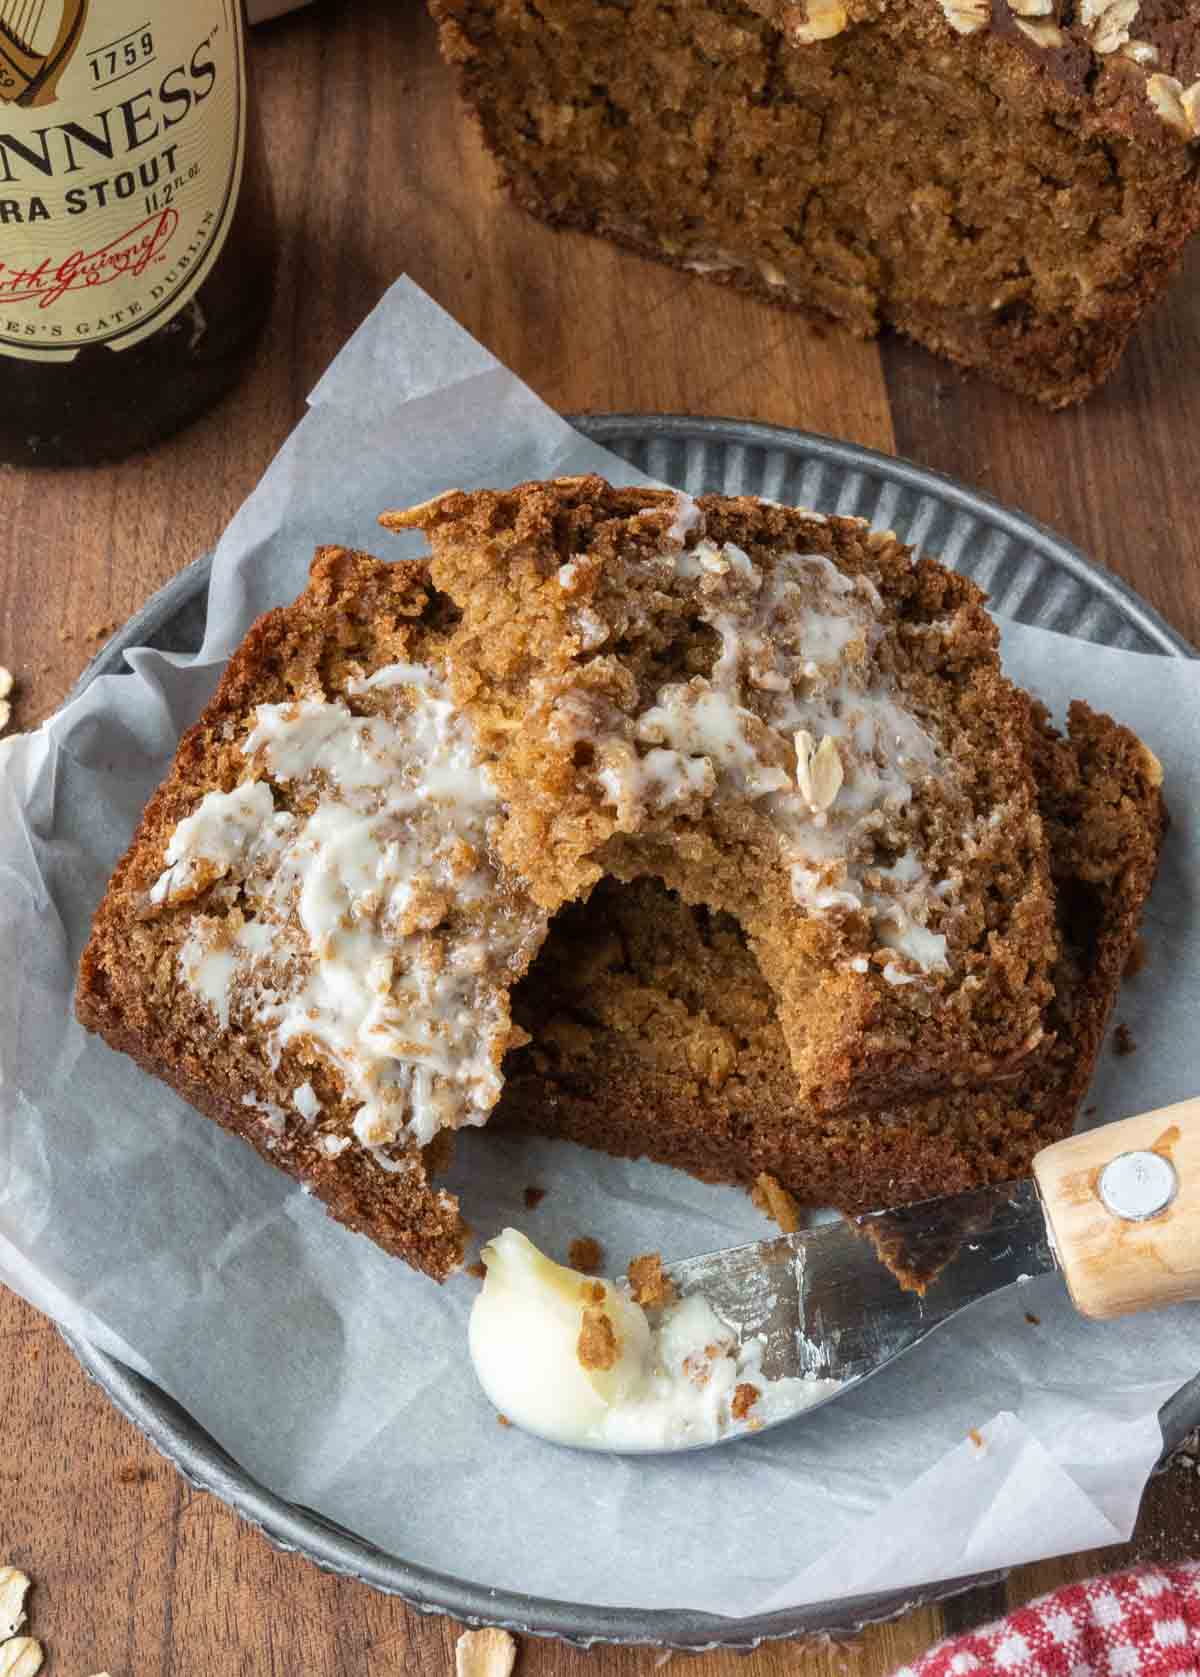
(135, 226)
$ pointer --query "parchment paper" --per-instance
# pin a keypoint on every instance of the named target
(337, 1376)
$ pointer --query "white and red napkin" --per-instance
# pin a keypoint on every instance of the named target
(1144, 1623)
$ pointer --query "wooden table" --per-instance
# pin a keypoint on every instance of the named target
(377, 172)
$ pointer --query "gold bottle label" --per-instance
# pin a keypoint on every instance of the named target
(122, 140)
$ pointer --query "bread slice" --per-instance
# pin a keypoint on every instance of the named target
(332, 994)
(1010, 184)
(652, 1032)
(787, 720)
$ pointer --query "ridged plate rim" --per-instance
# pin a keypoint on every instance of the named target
(642, 439)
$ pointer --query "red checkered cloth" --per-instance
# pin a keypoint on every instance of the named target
(1132, 1624)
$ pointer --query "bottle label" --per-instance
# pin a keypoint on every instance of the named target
(122, 140)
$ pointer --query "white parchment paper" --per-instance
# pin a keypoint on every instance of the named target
(338, 1377)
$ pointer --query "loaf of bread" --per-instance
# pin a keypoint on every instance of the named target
(1008, 182)
(713, 827)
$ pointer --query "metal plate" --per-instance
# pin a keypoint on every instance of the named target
(1032, 575)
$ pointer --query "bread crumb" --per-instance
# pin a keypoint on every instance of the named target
(1137, 958)
(478, 1269)
(697, 1370)
(774, 1201)
(598, 1347)
(1123, 1042)
(534, 1198)
(134, 1473)
(976, 1438)
(745, 1397)
(585, 1254)
(649, 1285)
(502, 1420)
(484, 1653)
(100, 631)
(1034, 1321)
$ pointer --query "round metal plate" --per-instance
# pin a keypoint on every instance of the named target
(1032, 575)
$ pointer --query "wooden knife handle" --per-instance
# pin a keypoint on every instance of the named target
(1123, 1204)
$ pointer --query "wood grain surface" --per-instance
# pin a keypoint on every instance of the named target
(377, 172)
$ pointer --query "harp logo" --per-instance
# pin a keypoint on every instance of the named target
(38, 39)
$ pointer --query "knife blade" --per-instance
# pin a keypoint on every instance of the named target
(827, 1301)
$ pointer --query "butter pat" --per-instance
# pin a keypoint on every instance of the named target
(525, 1336)
(575, 1361)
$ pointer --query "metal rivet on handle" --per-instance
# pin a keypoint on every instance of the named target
(1136, 1186)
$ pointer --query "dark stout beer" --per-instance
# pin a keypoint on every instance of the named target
(135, 228)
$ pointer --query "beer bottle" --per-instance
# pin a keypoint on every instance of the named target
(135, 227)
